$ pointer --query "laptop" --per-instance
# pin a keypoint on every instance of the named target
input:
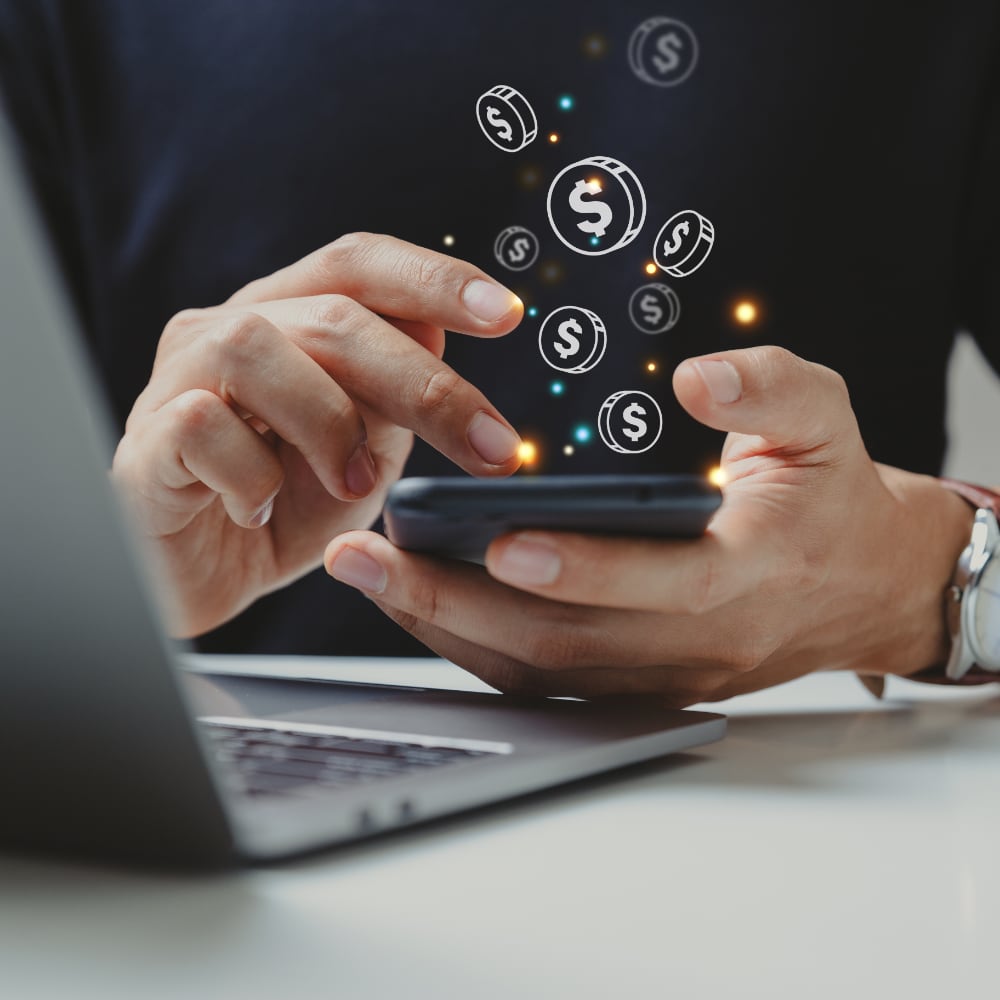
(109, 747)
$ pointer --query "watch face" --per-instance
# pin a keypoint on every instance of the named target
(986, 616)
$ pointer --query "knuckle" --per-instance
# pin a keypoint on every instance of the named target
(427, 270)
(182, 324)
(195, 412)
(438, 389)
(237, 338)
(335, 311)
(344, 249)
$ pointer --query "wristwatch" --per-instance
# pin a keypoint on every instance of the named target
(972, 608)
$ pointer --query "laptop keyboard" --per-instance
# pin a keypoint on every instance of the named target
(264, 761)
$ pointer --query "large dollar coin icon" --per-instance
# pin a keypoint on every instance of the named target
(684, 244)
(506, 118)
(654, 308)
(596, 205)
(516, 248)
(572, 340)
(663, 52)
(630, 422)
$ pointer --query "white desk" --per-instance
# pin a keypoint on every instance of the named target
(830, 847)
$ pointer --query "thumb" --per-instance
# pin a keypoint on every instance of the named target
(769, 392)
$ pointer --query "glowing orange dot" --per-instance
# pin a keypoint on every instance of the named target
(717, 476)
(651, 367)
(528, 453)
(650, 269)
(745, 313)
(594, 185)
(553, 137)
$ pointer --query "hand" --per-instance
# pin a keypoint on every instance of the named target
(818, 558)
(281, 417)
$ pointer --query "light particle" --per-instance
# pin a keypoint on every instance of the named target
(568, 450)
(566, 102)
(582, 434)
(650, 268)
(651, 367)
(557, 388)
(532, 311)
(717, 476)
(553, 137)
(746, 312)
(527, 452)
(449, 240)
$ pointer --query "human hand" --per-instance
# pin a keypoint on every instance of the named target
(281, 417)
(817, 559)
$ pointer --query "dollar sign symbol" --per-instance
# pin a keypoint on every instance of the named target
(566, 330)
(673, 244)
(519, 250)
(668, 60)
(497, 120)
(651, 310)
(603, 211)
(633, 417)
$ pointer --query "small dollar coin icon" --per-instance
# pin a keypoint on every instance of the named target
(663, 51)
(684, 244)
(506, 118)
(572, 340)
(654, 308)
(630, 422)
(596, 205)
(516, 248)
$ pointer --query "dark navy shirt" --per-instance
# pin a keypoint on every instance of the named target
(847, 153)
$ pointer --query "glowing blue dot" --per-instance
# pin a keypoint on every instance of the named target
(594, 241)
(582, 434)
(566, 102)
(557, 388)
(532, 311)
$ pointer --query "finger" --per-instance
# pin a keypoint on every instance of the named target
(193, 449)
(248, 362)
(430, 338)
(395, 278)
(384, 369)
(669, 577)
(770, 392)
(674, 687)
(463, 600)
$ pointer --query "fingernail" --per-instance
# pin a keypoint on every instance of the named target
(528, 561)
(493, 442)
(721, 379)
(358, 569)
(488, 301)
(359, 473)
(263, 515)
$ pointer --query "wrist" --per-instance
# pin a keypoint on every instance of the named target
(933, 527)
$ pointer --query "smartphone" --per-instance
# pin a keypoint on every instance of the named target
(459, 516)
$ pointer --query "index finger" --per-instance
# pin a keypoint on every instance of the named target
(398, 279)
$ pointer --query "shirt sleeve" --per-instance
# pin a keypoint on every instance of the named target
(978, 279)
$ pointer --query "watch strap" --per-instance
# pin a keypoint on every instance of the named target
(977, 497)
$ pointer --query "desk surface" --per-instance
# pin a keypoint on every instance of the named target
(831, 846)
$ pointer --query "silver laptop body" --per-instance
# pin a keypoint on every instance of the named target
(104, 747)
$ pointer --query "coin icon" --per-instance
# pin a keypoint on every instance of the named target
(684, 244)
(506, 118)
(654, 308)
(516, 248)
(630, 422)
(663, 51)
(572, 340)
(596, 205)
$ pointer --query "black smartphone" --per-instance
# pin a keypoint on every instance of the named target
(458, 516)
